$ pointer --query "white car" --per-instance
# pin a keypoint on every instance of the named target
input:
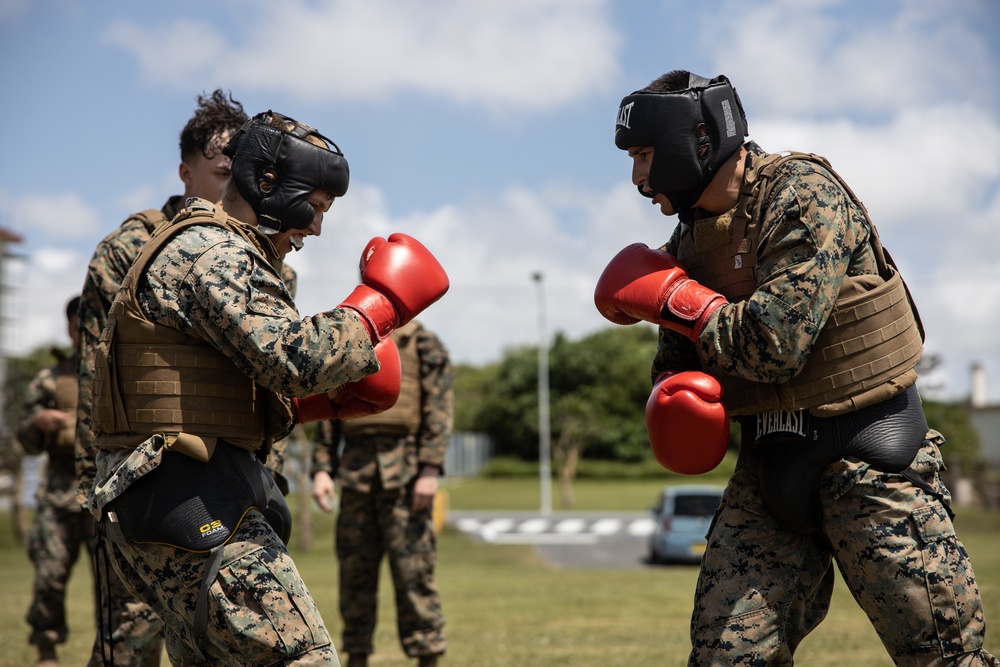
(683, 515)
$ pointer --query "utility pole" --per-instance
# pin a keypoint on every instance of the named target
(544, 431)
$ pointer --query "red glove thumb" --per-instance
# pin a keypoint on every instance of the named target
(687, 422)
(368, 396)
(369, 250)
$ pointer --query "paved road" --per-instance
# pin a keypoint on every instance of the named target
(614, 540)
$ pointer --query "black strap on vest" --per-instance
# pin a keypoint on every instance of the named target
(212, 566)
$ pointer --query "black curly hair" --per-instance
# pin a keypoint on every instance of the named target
(218, 116)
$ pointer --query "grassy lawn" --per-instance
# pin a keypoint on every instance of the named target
(506, 606)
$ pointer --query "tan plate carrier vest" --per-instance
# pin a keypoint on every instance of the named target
(152, 379)
(405, 417)
(868, 348)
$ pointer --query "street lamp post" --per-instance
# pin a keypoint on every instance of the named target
(544, 434)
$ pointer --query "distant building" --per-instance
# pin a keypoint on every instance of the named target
(985, 417)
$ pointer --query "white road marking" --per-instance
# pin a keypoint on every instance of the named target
(606, 526)
(641, 527)
(540, 538)
(547, 530)
(533, 526)
(570, 526)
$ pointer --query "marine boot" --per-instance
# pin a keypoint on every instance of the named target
(47, 655)
(428, 660)
(357, 660)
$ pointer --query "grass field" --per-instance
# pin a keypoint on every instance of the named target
(505, 606)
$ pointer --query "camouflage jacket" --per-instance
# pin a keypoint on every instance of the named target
(58, 486)
(396, 459)
(812, 236)
(110, 262)
(212, 283)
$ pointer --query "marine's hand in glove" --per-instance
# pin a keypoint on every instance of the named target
(687, 422)
(650, 285)
(399, 279)
(369, 395)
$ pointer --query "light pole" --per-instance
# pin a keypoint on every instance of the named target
(544, 435)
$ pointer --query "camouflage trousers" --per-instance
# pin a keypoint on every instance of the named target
(382, 523)
(129, 633)
(259, 610)
(54, 543)
(762, 590)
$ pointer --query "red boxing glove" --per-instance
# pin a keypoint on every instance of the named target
(687, 422)
(645, 284)
(368, 396)
(399, 279)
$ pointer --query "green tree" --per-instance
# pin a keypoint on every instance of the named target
(961, 453)
(598, 389)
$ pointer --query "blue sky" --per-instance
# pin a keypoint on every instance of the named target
(485, 129)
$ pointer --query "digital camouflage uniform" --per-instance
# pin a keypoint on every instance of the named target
(376, 472)
(762, 589)
(60, 527)
(212, 283)
(133, 632)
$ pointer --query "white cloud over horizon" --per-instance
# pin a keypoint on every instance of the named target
(904, 104)
(495, 55)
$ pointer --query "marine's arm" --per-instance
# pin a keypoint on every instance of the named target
(41, 420)
(325, 461)
(437, 380)
(810, 234)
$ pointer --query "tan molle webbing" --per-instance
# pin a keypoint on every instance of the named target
(186, 388)
(869, 340)
(724, 267)
(406, 415)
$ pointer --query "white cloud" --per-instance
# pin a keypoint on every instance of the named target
(63, 214)
(915, 168)
(37, 288)
(512, 55)
(824, 59)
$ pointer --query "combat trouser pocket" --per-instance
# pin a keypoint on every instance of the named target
(948, 578)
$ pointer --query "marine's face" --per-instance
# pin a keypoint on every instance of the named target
(642, 157)
(294, 239)
(207, 177)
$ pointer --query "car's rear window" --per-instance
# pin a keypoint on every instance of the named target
(703, 505)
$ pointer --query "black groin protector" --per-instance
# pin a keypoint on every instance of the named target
(300, 167)
(669, 123)
(788, 467)
(197, 506)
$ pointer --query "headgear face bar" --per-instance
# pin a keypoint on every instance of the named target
(683, 162)
(281, 202)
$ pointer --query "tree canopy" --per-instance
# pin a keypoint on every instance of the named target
(598, 388)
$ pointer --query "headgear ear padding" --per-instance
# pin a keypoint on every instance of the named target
(684, 160)
(276, 170)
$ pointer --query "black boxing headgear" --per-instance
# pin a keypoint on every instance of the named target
(685, 158)
(277, 169)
